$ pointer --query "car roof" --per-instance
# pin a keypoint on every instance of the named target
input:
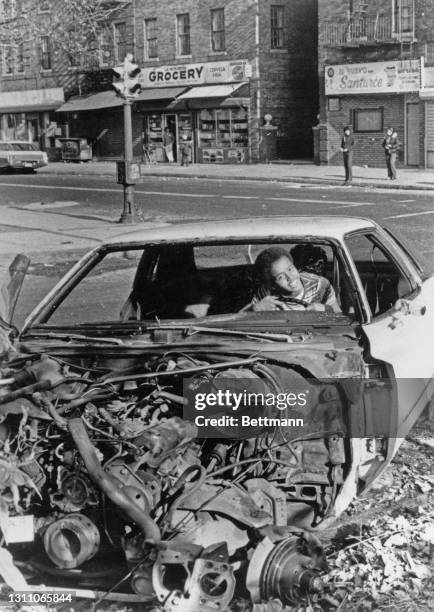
(255, 228)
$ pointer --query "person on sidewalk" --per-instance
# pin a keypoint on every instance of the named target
(391, 145)
(168, 140)
(185, 150)
(347, 147)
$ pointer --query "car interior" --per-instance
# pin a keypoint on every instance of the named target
(171, 277)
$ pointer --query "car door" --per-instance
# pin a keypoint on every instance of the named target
(400, 323)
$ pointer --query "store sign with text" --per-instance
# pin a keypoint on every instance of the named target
(211, 73)
(372, 77)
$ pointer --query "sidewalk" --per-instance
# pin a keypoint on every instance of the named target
(304, 173)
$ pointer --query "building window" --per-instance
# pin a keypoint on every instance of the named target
(45, 53)
(218, 29)
(183, 34)
(44, 6)
(105, 46)
(333, 104)
(368, 119)
(403, 16)
(151, 38)
(277, 20)
(120, 41)
(19, 63)
(7, 60)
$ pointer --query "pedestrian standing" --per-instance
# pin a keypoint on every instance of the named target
(185, 150)
(347, 147)
(391, 145)
(168, 140)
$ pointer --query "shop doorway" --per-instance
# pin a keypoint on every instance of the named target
(412, 116)
(154, 125)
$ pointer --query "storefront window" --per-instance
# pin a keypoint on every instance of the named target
(14, 127)
(223, 127)
(368, 120)
(223, 135)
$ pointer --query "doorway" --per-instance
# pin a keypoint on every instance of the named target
(412, 128)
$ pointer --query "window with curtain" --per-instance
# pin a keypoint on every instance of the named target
(45, 53)
(151, 38)
(218, 29)
(183, 34)
(403, 16)
(120, 41)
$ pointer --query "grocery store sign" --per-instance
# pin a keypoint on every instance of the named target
(372, 77)
(196, 74)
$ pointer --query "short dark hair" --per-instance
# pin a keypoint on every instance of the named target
(267, 257)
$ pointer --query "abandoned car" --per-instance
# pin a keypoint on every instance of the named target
(107, 479)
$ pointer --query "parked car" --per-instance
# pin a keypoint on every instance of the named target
(19, 155)
(109, 469)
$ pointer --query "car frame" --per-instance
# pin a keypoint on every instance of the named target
(368, 371)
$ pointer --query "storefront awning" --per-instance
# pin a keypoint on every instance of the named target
(427, 93)
(109, 99)
(100, 100)
(159, 93)
(211, 91)
(31, 100)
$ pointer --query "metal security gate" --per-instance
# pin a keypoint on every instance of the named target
(429, 131)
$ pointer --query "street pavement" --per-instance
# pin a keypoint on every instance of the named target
(408, 178)
(66, 209)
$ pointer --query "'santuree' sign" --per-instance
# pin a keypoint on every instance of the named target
(195, 74)
(372, 77)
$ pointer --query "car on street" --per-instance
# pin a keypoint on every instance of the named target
(20, 155)
(159, 427)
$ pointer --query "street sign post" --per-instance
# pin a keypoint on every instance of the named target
(128, 87)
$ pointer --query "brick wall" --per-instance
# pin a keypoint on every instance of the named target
(289, 90)
(368, 152)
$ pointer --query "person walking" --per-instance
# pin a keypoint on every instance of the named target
(347, 147)
(168, 140)
(391, 145)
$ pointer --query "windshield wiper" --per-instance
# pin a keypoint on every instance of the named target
(191, 330)
(79, 338)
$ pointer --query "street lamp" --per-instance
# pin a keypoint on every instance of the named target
(127, 86)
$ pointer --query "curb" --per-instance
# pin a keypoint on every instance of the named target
(300, 180)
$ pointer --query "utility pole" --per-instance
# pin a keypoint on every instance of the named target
(128, 87)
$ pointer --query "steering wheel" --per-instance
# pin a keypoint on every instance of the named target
(287, 299)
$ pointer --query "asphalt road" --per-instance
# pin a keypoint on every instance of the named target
(409, 213)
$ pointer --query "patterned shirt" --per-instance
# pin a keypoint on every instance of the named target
(316, 289)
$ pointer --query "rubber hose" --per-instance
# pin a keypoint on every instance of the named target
(109, 485)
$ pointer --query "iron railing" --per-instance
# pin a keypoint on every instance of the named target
(361, 30)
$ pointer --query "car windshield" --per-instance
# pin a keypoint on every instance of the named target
(24, 146)
(182, 281)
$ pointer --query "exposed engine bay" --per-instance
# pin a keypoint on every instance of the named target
(104, 484)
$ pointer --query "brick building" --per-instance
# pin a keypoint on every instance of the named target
(374, 72)
(211, 71)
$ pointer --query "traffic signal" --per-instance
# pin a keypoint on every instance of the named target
(126, 82)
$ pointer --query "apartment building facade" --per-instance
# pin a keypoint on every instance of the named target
(213, 72)
(375, 71)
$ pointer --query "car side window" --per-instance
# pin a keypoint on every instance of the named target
(382, 279)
